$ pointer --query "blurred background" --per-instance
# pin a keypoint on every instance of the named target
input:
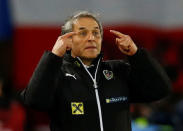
(29, 27)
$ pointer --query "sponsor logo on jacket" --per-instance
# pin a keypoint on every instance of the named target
(116, 99)
(77, 108)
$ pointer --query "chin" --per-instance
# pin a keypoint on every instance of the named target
(90, 56)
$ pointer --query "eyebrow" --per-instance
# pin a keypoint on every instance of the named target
(82, 28)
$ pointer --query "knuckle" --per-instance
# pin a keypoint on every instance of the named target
(127, 36)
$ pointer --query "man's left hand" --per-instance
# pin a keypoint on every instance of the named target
(125, 43)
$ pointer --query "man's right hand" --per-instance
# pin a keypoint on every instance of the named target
(62, 44)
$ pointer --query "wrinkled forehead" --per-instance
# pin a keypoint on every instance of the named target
(85, 23)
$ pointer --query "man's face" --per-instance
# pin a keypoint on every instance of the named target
(87, 41)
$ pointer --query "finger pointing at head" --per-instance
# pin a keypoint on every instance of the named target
(118, 34)
(67, 35)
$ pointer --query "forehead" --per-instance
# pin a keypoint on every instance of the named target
(85, 23)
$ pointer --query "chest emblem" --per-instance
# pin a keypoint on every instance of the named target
(108, 74)
(77, 108)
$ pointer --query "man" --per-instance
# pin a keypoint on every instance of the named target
(80, 91)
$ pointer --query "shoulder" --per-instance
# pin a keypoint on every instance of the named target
(116, 63)
(118, 66)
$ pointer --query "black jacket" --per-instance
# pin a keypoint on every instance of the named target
(96, 99)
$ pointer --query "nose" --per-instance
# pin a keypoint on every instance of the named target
(91, 37)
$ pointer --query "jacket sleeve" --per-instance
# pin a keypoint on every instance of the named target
(39, 93)
(147, 80)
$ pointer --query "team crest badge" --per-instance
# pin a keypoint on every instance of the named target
(77, 108)
(108, 74)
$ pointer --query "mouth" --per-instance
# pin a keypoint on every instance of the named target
(91, 47)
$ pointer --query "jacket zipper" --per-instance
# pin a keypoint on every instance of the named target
(96, 91)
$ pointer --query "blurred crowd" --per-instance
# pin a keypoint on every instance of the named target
(12, 112)
(164, 115)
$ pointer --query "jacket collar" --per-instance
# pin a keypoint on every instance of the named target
(75, 61)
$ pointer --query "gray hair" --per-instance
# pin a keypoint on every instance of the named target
(68, 26)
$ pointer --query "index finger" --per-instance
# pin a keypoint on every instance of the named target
(67, 35)
(119, 34)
